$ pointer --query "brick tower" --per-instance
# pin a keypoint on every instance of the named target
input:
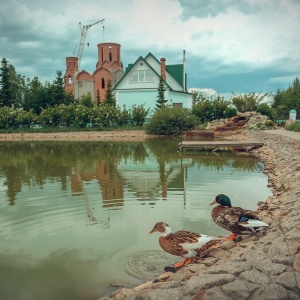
(71, 72)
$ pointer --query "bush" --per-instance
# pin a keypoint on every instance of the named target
(270, 123)
(230, 112)
(171, 121)
(294, 127)
(138, 114)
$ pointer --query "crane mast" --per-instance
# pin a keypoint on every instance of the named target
(83, 31)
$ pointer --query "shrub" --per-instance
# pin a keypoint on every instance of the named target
(171, 121)
(294, 127)
(230, 112)
(138, 114)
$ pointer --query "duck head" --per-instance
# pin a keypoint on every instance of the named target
(222, 200)
(161, 227)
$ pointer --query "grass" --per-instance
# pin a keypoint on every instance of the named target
(294, 127)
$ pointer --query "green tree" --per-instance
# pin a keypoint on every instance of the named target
(98, 98)
(17, 85)
(86, 100)
(247, 102)
(56, 91)
(286, 100)
(109, 96)
(34, 96)
(161, 100)
(5, 85)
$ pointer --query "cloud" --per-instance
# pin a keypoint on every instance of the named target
(230, 45)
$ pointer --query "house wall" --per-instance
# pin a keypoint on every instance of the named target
(184, 98)
(148, 98)
(130, 98)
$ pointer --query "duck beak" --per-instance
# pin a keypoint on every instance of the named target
(214, 202)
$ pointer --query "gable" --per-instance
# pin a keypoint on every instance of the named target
(145, 73)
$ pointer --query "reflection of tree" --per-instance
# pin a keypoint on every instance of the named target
(34, 163)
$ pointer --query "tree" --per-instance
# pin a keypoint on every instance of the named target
(109, 96)
(5, 85)
(161, 101)
(17, 86)
(34, 96)
(86, 100)
(98, 98)
(247, 102)
(285, 100)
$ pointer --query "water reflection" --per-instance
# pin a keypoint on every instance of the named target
(147, 168)
(83, 210)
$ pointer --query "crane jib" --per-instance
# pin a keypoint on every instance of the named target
(83, 30)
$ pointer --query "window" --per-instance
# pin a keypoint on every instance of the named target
(69, 79)
(141, 76)
(103, 83)
(110, 56)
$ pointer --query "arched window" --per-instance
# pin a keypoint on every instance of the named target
(69, 79)
(110, 57)
(103, 83)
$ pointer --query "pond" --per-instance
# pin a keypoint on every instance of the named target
(75, 216)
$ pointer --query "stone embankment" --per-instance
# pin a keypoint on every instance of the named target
(265, 266)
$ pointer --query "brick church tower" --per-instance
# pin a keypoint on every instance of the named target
(108, 67)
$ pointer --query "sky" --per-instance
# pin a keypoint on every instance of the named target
(232, 46)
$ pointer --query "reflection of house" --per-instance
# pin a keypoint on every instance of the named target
(109, 67)
(139, 84)
(151, 180)
(111, 184)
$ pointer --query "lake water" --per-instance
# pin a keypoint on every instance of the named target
(75, 216)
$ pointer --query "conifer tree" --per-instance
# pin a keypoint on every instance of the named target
(161, 100)
(5, 85)
(109, 96)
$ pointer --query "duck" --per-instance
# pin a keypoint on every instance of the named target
(187, 244)
(235, 219)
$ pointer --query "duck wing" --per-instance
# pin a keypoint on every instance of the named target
(173, 242)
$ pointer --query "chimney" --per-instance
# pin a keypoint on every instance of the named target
(163, 68)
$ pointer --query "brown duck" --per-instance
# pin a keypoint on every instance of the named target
(189, 245)
(235, 219)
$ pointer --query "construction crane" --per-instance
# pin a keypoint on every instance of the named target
(83, 30)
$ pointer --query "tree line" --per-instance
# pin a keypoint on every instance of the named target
(24, 101)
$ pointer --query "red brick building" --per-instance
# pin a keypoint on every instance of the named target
(108, 67)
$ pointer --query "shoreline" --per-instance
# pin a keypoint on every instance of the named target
(263, 266)
(77, 136)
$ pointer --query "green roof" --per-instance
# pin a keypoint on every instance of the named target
(177, 72)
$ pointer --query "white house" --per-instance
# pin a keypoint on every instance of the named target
(140, 83)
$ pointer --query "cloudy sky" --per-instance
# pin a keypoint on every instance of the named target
(238, 46)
